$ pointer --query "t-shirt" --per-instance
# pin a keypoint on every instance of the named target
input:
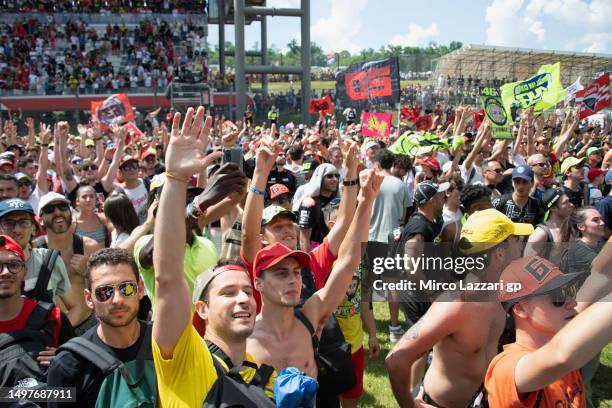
(199, 256)
(71, 370)
(285, 178)
(62, 331)
(531, 213)
(594, 195)
(139, 197)
(321, 262)
(185, 379)
(567, 391)
(59, 282)
(389, 208)
(348, 313)
(605, 209)
(473, 175)
(311, 214)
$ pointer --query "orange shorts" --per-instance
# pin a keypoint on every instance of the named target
(358, 358)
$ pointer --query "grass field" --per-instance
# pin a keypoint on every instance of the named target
(377, 390)
(314, 85)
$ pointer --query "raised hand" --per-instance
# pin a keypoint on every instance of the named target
(185, 156)
(45, 133)
(229, 179)
(29, 122)
(370, 182)
(62, 129)
(119, 132)
(351, 157)
(265, 159)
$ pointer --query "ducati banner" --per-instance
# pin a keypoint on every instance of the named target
(594, 97)
(370, 83)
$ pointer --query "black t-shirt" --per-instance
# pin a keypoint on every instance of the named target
(311, 215)
(69, 370)
(285, 178)
(575, 196)
(579, 256)
(530, 214)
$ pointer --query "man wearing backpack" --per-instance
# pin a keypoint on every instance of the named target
(187, 373)
(30, 331)
(113, 290)
(46, 276)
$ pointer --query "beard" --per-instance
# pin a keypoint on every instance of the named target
(112, 321)
(59, 229)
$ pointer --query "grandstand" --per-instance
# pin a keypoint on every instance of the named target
(506, 64)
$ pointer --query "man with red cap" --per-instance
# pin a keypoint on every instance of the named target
(555, 335)
(281, 196)
(596, 178)
(47, 325)
(280, 339)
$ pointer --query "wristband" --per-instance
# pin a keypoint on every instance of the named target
(349, 183)
(44, 145)
(176, 178)
(252, 189)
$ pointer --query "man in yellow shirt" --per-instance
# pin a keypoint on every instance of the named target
(186, 373)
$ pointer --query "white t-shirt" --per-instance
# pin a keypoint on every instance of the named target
(139, 197)
(471, 176)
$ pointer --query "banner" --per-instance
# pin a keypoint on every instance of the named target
(542, 91)
(134, 134)
(423, 122)
(116, 109)
(494, 109)
(376, 124)
(370, 83)
(595, 97)
(324, 105)
(572, 89)
(418, 144)
(411, 114)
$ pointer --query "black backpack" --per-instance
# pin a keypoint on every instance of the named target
(333, 357)
(19, 350)
(126, 385)
(231, 391)
(40, 291)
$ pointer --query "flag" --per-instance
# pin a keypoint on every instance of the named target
(376, 124)
(423, 122)
(494, 109)
(411, 114)
(478, 118)
(116, 109)
(572, 89)
(417, 144)
(134, 134)
(542, 91)
(324, 104)
(369, 83)
(595, 97)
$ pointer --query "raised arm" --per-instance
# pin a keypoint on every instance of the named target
(183, 159)
(29, 122)
(253, 208)
(43, 159)
(565, 137)
(348, 204)
(64, 170)
(108, 180)
(480, 139)
(325, 300)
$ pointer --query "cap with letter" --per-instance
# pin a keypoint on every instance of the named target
(426, 190)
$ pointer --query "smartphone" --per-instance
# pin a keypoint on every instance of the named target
(233, 155)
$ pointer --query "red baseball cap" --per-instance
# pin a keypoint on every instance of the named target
(430, 162)
(9, 244)
(595, 172)
(127, 159)
(278, 189)
(536, 276)
(271, 255)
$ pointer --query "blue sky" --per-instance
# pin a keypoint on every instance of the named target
(566, 25)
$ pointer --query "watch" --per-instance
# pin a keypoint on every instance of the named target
(349, 183)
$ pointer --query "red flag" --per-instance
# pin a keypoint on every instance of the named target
(116, 109)
(325, 105)
(424, 122)
(478, 118)
(376, 124)
(594, 97)
(410, 114)
(134, 134)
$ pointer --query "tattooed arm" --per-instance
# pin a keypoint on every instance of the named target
(441, 320)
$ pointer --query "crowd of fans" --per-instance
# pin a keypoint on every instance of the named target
(109, 7)
(142, 244)
(56, 58)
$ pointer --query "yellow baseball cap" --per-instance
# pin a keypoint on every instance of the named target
(485, 229)
(569, 163)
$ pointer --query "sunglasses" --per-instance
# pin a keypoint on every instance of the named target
(12, 266)
(331, 176)
(283, 199)
(544, 164)
(50, 209)
(149, 159)
(87, 168)
(130, 166)
(498, 171)
(561, 296)
(105, 292)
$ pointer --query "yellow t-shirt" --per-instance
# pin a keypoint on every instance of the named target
(348, 314)
(186, 378)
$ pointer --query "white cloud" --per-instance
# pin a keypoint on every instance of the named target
(417, 35)
(336, 31)
(596, 42)
(283, 3)
(508, 25)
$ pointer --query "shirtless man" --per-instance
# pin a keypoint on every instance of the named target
(464, 333)
(279, 338)
(54, 211)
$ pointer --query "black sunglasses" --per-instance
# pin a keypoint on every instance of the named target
(333, 175)
(129, 166)
(283, 199)
(544, 164)
(49, 209)
(105, 292)
(87, 168)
